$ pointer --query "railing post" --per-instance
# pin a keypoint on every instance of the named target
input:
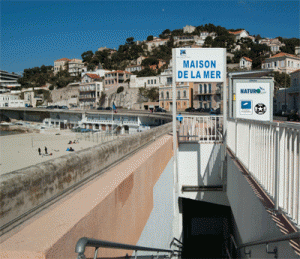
(277, 166)
(236, 137)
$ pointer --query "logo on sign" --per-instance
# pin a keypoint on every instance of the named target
(260, 108)
(259, 90)
(246, 107)
(182, 52)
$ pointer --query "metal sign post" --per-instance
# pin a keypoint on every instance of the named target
(195, 65)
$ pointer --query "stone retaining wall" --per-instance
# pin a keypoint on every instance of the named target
(27, 188)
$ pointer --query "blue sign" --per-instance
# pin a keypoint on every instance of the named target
(179, 117)
(246, 104)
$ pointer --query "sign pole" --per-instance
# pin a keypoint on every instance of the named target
(175, 171)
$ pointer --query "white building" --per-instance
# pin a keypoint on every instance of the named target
(61, 64)
(75, 67)
(89, 94)
(245, 62)
(99, 71)
(133, 68)
(156, 43)
(274, 44)
(185, 39)
(8, 80)
(239, 34)
(282, 62)
(9, 100)
(189, 29)
(148, 81)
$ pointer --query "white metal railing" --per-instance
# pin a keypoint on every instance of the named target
(201, 128)
(270, 152)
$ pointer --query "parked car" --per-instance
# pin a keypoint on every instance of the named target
(216, 111)
(100, 108)
(190, 109)
(28, 105)
(159, 109)
(64, 107)
(50, 107)
(199, 110)
(108, 108)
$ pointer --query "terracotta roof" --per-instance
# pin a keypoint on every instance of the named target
(93, 76)
(248, 59)
(63, 59)
(282, 54)
(236, 32)
(298, 70)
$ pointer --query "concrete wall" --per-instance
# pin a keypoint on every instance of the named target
(200, 165)
(26, 188)
(252, 220)
(158, 232)
(115, 207)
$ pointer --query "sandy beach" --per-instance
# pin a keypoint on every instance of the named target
(21, 150)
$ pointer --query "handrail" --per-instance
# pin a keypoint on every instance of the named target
(90, 242)
(175, 239)
(273, 240)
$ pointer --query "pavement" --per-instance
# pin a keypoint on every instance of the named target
(21, 150)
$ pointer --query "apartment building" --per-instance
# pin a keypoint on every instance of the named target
(97, 71)
(115, 78)
(274, 44)
(61, 64)
(8, 80)
(184, 95)
(246, 62)
(282, 62)
(290, 96)
(89, 94)
(204, 35)
(189, 29)
(156, 43)
(207, 95)
(185, 39)
(75, 67)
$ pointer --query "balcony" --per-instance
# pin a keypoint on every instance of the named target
(198, 93)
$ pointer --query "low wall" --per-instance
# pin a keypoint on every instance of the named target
(116, 206)
(24, 189)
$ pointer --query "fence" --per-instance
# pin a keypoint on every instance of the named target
(96, 136)
(270, 152)
(201, 128)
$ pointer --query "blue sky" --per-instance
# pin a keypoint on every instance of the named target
(35, 33)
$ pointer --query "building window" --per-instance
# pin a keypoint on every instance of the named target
(152, 82)
(169, 80)
(167, 95)
(200, 89)
(205, 88)
(162, 95)
(148, 82)
(184, 94)
(200, 104)
(209, 105)
(178, 94)
(209, 88)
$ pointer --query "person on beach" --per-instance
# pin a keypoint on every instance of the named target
(46, 150)
(39, 151)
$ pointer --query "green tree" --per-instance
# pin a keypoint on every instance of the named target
(282, 79)
(290, 45)
(129, 41)
(150, 61)
(150, 38)
(208, 41)
(87, 56)
(166, 32)
(146, 72)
